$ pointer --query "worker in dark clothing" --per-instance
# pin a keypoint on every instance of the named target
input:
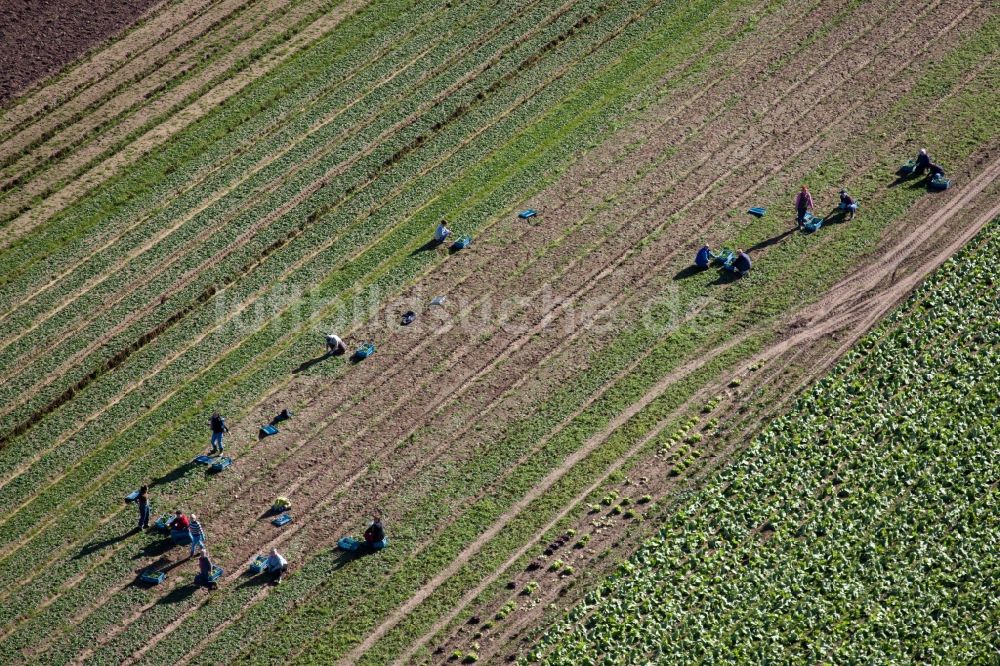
(803, 204)
(142, 501)
(935, 171)
(218, 426)
(704, 257)
(742, 263)
(205, 567)
(375, 534)
(923, 162)
(848, 204)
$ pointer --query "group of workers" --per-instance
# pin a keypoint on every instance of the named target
(188, 530)
(739, 261)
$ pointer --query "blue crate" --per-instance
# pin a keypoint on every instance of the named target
(152, 577)
(939, 184)
(221, 464)
(462, 243)
(525, 214)
(204, 460)
(811, 222)
(132, 496)
(283, 519)
(757, 211)
(364, 351)
(268, 430)
(259, 564)
(162, 523)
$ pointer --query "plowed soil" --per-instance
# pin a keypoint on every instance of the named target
(40, 37)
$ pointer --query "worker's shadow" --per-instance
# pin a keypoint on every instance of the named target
(774, 240)
(178, 594)
(903, 179)
(432, 244)
(174, 474)
(726, 277)
(156, 548)
(305, 365)
(95, 546)
(689, 271)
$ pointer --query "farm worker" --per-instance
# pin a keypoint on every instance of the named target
(375, 534)
(205, 567)
(923, 162)
(936, 171)
(218, 425)
(180, 522)
(142, 501)
(848, 203)
(803, 204)
(334, 345)
(704, 257)
(276, 565)
(742, 263)
(442, 232)
(197, 534)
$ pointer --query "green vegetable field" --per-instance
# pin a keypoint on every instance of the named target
(587, 451)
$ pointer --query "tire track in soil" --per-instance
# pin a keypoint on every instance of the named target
(302, 196)
(820, 320)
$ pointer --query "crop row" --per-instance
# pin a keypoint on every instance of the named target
(835, 538)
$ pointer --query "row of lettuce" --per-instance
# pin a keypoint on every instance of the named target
(861, 527)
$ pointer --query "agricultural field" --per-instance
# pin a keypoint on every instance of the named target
(588, 452)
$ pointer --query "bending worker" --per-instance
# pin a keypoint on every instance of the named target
(742, 263)
(442, 232)
(704, 257)
(848, 204)
(923, 162)
(334, 345)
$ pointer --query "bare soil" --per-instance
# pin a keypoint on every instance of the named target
(40, 37)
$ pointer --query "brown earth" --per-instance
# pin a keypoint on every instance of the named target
(40, 37)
